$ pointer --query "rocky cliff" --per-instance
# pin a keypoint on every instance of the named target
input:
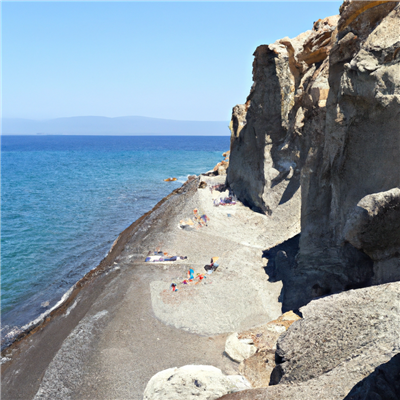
(319, 136)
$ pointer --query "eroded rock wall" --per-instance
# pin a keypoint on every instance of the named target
(319, 133)
(358, 155)
(266, 143)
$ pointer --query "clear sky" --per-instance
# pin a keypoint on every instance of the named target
(175, 60)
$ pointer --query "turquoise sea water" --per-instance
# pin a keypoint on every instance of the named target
(65, 199)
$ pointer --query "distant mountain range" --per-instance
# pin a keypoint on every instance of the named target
(112, 126)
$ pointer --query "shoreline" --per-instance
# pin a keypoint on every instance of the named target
(123, 287)
(66, 300)
(58, 250)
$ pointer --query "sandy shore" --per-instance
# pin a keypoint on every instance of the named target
(123, 324)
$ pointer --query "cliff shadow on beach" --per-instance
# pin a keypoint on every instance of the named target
(302, 283)
(281, 260)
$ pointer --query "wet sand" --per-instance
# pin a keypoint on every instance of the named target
(118, 329)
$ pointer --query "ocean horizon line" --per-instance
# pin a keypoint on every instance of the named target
(113, 126)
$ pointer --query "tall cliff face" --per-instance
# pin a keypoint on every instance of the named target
(359, 157)
(324, 114)
(266, 140)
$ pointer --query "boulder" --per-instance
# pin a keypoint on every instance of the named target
(382, 384)
(239, 349)
(374, 224)
(257, 369)
(346, 345)
(357, 330)
(202, 382)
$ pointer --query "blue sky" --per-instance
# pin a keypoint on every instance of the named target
(175, 60)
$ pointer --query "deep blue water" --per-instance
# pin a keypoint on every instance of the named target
(65, 199)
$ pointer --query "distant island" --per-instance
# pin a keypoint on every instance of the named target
(113, 126)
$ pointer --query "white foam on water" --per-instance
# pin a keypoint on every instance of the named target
(41, 317)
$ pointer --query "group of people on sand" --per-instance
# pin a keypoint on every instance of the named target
(199, 220)
(195, 280)
(191, 280)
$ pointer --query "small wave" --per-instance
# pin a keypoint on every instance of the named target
(42, 316)
(16, 331)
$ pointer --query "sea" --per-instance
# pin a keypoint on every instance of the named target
(65, 199)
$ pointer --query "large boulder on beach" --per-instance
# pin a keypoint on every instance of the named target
(258, 367)
(200, 382)
(338, 348)
(355, 330)
(373, 226)
(239, 349)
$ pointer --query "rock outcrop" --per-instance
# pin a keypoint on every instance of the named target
(266, 160)
(358, 155)
(336, 348)
(324, 115)
(323, 119)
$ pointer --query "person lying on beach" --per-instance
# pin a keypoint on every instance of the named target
(164, 259)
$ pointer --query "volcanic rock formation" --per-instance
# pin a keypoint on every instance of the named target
(323, 119)
(319, 135)
(338, 349)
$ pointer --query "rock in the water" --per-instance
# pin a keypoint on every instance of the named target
(239, 349)
(202, 382)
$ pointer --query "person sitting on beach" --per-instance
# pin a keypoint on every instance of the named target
(190, 274)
